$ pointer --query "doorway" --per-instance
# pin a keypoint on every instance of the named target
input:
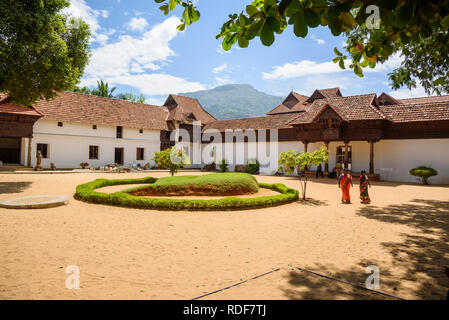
(118, 158)
(341, 156)
(10, 150)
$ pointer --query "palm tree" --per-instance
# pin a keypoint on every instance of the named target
(103, 90)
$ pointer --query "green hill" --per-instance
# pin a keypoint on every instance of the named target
(235, 101)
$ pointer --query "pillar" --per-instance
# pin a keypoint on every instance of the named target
(371, 157)
(305, 146)
(326, 165)
(29, 152)
(346, 154)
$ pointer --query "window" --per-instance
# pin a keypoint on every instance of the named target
(43, 148)
(93, 152)
(141, 131)
(59, 124)
(94, 127)
(119, 132)
(140, 154)
(167, 135)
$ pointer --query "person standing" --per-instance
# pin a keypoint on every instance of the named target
(338, 169)
(319, 171)
(364, 184)
(345, 183)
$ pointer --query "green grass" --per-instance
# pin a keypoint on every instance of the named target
(216, 184)
(86, 192)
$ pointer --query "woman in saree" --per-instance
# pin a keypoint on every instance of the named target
(364, 183)
(345, 183)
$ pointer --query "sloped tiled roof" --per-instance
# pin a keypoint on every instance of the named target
(325, 93)
(179, 106)
(432, 111)
(360, 107)
(267, 122)
(11, 108)
(83, 108)
(444, 98)
(292, 104)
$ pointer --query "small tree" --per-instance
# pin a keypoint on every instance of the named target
(172, 158)
(223, 165)
(252, 166)
(290, 160)
(424, 173)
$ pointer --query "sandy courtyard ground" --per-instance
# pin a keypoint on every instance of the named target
(145, 254)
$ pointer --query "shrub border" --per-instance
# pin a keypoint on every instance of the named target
(86, 192)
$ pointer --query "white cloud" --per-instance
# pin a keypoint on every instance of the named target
(222, 81)
(220, 68)
(301, 68)
(79, 9)
(115, 59)
(319, 41)
(306, 67)
(150, 84)
(406, 93)
(137, 24)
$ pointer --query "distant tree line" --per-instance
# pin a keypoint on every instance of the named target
(103, 90)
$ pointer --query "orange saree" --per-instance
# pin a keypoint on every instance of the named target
(345, 185)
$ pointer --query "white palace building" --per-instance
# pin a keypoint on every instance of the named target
(382, 135)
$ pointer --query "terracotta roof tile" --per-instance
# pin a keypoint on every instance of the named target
(292, 104)
(82, 108)
(417, 111)
(267, 122)
(12, 108)
(425, 99)
(179, 106)
(358, 107)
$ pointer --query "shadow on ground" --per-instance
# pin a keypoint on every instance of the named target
(425, 253)
(305, 285)
(14, 186)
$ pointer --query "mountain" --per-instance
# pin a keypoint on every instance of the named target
(234, 101)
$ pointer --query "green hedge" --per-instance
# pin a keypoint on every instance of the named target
(215, 184)
(86, 192)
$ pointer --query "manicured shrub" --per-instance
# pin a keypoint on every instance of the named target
(252, 166)
(86, 192)
(424, 173)
(217, 184)
(223, 165)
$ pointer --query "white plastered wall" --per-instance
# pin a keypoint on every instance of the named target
(68, 145)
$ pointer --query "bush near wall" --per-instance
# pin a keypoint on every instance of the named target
(86, 192)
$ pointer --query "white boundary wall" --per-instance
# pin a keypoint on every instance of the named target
(68, 145)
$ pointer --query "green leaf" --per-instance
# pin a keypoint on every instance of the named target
(342, 64)
(250, 9)
(243, 42)
(338, 53)
(311, 18)
(267, 34)
(299, 25)
(336, 60)
(439, 81)
(172, 5)
(353, 50)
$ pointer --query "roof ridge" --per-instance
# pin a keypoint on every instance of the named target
(115, 99)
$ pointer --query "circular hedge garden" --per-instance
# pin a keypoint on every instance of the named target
(210, 184)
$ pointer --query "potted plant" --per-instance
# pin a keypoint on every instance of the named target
(84, 165)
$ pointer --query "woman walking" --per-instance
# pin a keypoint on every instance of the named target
(345, 183)
(364, 183)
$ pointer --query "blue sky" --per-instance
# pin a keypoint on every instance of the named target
(138, 49)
